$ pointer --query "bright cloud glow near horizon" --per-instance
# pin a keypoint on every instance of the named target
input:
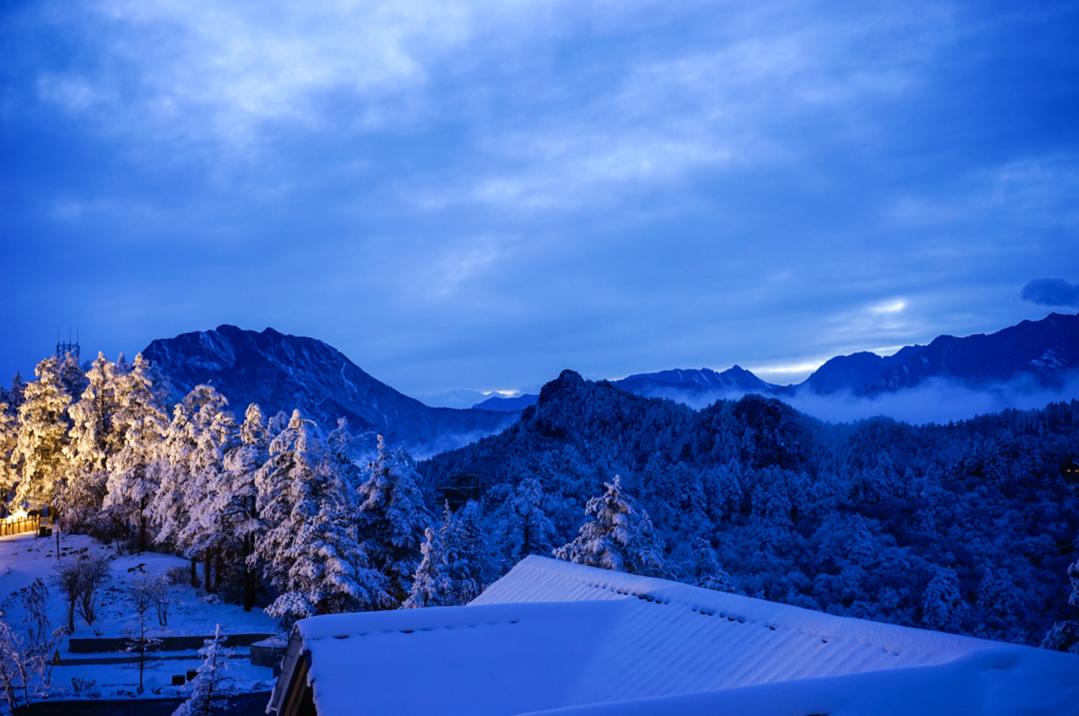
(470, 195)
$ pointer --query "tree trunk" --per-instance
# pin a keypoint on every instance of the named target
(249, 573)
(71, 616)
(206, 571)
(219, 567)
(195, 572)
(249, 589)
(142, 533)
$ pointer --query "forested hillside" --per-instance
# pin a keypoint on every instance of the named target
(965, 527)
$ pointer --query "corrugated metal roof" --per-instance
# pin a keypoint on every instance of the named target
(553, 635)
(702, 640)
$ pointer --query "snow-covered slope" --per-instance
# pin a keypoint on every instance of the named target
(556, 637)
(282, 372)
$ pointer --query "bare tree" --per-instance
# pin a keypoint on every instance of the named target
(159, 594)
(95, 570)
(69, 579)
(14, 667)
(80, 580)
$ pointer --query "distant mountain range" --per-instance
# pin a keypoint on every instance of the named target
(1042, 353)
(282, 372)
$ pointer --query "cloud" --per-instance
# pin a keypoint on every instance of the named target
(935, 401)
(1051, 292)
(897, 306)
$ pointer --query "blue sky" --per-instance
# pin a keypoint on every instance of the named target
(478, 195)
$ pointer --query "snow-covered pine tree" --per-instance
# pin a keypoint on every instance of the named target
(319, 566)
(42, 437)
(943, 602)
(521, 526)
(170, 508)
(1073, 577)
(208, 685)
(206, 534)
(15, 392)
(391, 517)
(462, 537)
(276, 481)
(8, 440)
(71, 376)
(1064, 634)
(340, 445)
(133, 479)
(997, 601)
(93, 440)
(277, 423)
(179, 462)
(239, 506)
(707, 571)
(430, 585)
(615, 535)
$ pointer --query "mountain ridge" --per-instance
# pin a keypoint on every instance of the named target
(1043, 352)
(281, 372)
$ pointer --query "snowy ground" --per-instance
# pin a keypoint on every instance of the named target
(26, 557)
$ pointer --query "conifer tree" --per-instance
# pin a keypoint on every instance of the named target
(94, 438)
(209, 682)
(276, 483)
(133, 478)
(943, 601)
(8, 440)
(430, 585)
(186, 453)
(391, 518)
(616, 535)
(210, 491)
(239, 507)
(340, 447)
(42, 437)
(315, 560)
(16, 392)
(462, 538)
(521, 526)
(72, 377)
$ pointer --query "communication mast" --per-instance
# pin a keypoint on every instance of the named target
(68, 347)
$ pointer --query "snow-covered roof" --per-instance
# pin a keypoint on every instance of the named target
(554, 635)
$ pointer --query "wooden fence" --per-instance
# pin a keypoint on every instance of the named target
(17, 527)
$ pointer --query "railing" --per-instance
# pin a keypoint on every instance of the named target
(19, 526)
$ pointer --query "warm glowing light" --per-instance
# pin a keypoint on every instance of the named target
(19, 514)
